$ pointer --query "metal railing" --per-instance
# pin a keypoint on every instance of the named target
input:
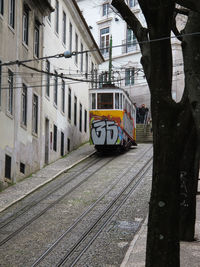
(129, 46)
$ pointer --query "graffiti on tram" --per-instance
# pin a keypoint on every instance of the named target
(104, 132)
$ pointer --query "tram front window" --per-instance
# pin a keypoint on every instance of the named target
(105, 101)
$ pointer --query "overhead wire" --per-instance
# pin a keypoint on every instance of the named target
(20, 62)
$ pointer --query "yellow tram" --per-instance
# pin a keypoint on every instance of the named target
(112, 118)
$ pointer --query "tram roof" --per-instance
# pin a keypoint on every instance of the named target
(110, 88)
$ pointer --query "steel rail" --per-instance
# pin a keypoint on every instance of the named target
(25, 209)
(85, 213)
(2, 242)
(73, 225)
(104, 213)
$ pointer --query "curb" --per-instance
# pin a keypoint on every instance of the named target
(133, 243)
(45, 182)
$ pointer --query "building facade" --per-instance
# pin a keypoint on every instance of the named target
(65, 112)
(104, 22)
(21, 34)
(42, 116)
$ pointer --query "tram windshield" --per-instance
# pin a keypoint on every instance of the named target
(105, 101)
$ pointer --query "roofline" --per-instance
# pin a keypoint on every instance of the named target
(86, 25)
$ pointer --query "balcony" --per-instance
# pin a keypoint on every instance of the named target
(129, 46)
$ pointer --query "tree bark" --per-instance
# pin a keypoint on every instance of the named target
(189, 181)
(171, 130)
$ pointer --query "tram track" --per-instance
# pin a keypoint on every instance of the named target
(108, 209)
(9, 237)
(25, 209)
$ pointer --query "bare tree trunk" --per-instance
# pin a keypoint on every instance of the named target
(170, 126)
(190, 165)
(163, 224)
(189, 180)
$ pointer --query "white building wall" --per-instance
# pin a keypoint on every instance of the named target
(139, 91)
(53, 44)
(16, 140)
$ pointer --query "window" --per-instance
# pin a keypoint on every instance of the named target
(47, 78)
(76, 48)
(22, 168)
(80, 118)
(63, 96)
(12, 13)
(103, 79)
(131, 3)
(0, 80)
(62, 144)
(35, 114)
(56, 89)
(120, 102)
(86, 64)
(81, 58)
(69, 103)
(49, 16)
(92, 72)
(24, 106)
(70, 37)
(93, 101)
(1, 6)
(129, 76)
(75, 110)
(36, 39)
(85, 124)
(116, 100)
(64, 28)
(68, 144)
(7, 166)
(130, 40)
(25, 24)
(55, 137)
(105, 101)
(10, 91)
(57, 16)
(105, 9)
(104, 41)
